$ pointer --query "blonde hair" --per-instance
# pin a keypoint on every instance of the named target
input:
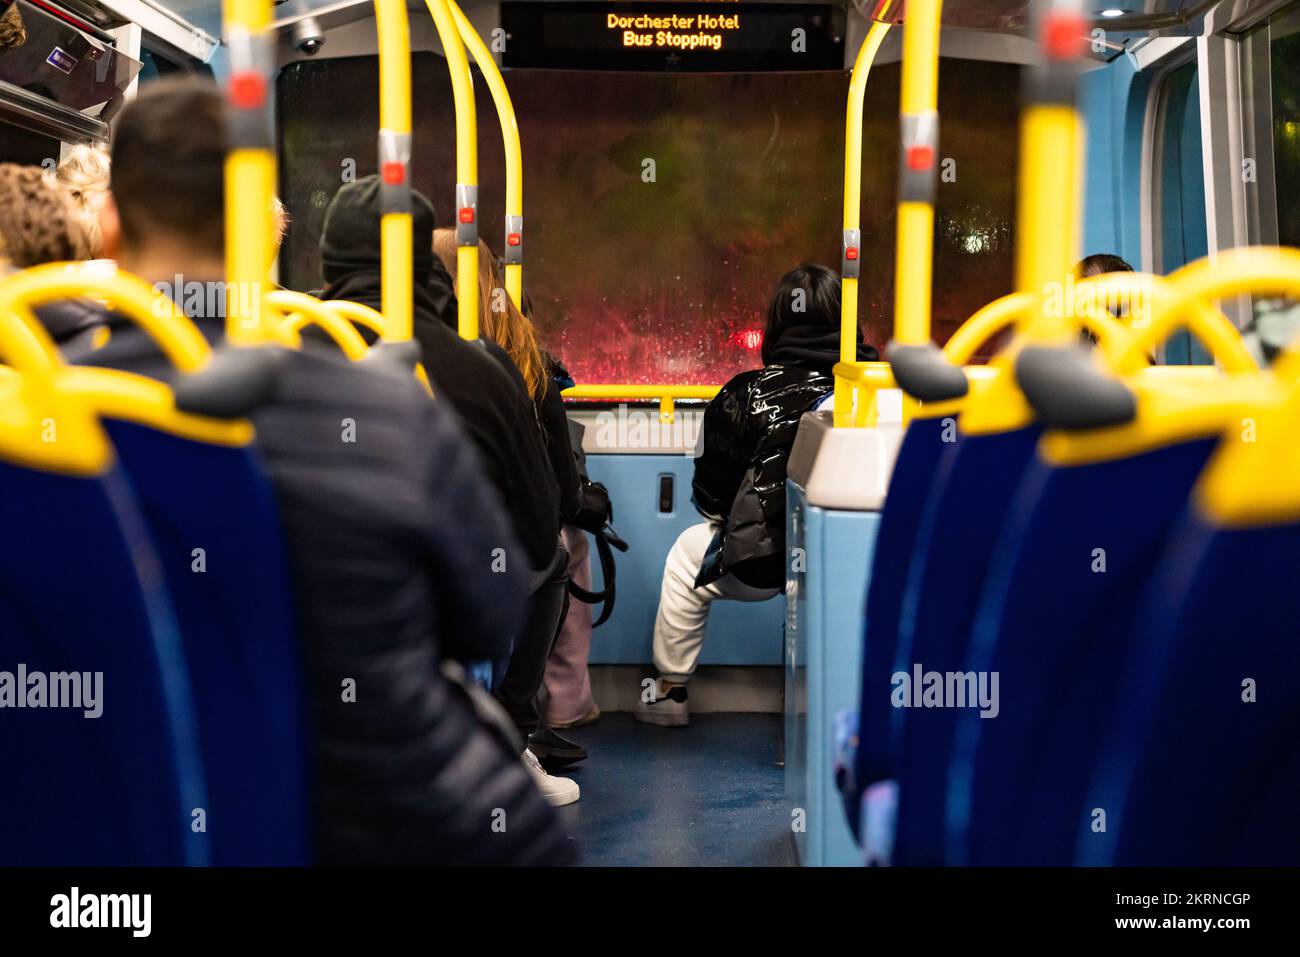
(84, 174)
(13, 32)
(279, 220)
(38, 221)
(499, 319)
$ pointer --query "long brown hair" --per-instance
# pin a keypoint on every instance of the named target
(499, 319)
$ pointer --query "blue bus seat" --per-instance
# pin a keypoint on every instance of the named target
(233, 602)
(1191, 772)
(1055, 614)
(83, 592)
(914, 470)
(966, 511)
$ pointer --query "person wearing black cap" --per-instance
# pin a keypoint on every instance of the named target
(491, 408)
(492, 402)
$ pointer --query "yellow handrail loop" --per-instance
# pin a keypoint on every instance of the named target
(851, 244)
(462, 90)
(513, 247)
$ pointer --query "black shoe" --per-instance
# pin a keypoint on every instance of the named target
(554, 751)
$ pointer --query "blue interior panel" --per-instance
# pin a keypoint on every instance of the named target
(823, 666)
(739, 633)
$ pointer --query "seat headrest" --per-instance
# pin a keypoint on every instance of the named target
(398, 356)
(1068, 391)
(923, 372)
(236, 381)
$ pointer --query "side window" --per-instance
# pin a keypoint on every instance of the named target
(1284, 74)
(1179, 192)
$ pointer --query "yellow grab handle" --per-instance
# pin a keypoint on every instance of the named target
(249, 166)
(1051, 162)
(863, 380)
(131, 296)
(462, 90)
(851, 246)
(616, 391)
(918, 105)
(1047, 241)
(396, 242)
(514, 224)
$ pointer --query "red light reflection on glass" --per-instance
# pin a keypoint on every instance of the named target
(748, 338)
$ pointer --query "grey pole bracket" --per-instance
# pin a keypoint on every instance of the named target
(466, 215)
(514, 244)
(1067, 390)
(851, 254)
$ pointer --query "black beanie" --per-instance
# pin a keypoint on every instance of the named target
(349, 239)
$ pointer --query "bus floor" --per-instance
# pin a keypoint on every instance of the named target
(706, 795)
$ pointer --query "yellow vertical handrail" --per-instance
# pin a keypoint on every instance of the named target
(513, 247)
(1050, 181)
(851, 245)
(918, 164)
(462, 90)
(395, 230)
(249, 167)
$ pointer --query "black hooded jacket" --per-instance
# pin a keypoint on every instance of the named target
(493, 407)
(749, 428)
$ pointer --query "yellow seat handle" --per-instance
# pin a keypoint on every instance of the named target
(300, 310)
(1181, 300)
(358, 313)
(1006, 312)
(29, 349)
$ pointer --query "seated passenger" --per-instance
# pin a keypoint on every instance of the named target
(84, 174)
(488, 395)
(1101, 264)
(394, 541)
(569, 702)
(500, 321)
(40, 224)
(739, 486)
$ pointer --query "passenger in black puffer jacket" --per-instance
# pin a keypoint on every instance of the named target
(739, 487)
(390, 538)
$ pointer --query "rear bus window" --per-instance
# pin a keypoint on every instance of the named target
(660, 209)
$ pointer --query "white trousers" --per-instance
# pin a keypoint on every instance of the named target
(684, 609)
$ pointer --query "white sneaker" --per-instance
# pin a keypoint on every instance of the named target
(669, 709)
(559, 791)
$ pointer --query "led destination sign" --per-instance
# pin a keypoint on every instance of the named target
(713, 37)
(689, 32)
